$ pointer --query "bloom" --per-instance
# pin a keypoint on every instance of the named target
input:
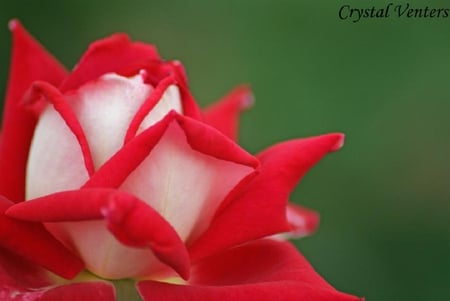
(112, 168)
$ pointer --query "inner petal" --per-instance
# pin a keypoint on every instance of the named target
(105, 108)
(182, 184)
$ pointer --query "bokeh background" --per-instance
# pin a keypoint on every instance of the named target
(384, 198)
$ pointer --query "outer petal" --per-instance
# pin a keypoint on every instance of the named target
(113, 54)
(257, 207)
(224, 115)
(21, 280)
(131, 221)
(30, 62)
(262, 270)
(32, 241)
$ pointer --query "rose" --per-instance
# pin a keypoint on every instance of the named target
(124, 176)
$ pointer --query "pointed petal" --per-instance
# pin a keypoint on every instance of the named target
(130, 220)
(257, 207)
(262, 270)
(30, 62)
(113, 54)
(211, 142)
(224, 115)
(32, 241)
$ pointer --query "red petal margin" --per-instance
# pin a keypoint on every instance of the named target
(200, 137)
(132, 222)
(224, 115)
(30, 62)
(257, 206)
(21, 280)
(53, 96)
(31, 240)
(112, 54)
(261, 270)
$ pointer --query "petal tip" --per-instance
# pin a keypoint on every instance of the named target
(339, 142)
(248, 100)
(13, 24)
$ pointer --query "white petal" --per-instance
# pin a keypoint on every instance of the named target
(55, 162)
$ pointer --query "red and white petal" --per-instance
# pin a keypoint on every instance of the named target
(184, 182)
(224, 114)
(261, 270)
(122, 248)
(165, 98)
(169, 101)
(31, 241)
(257, 207)
(59, 157)
(97, 115)
(114, 54)
(104, 108)
(30, 62)
(182, 167)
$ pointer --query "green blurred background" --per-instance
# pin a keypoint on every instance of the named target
(385, 198)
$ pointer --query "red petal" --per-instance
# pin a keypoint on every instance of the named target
(209, 141)
(131, 221)
(55, 97)
(262, 270)
(113, 54)
(257, 207)
(32, 241)
(30, 62)
(21, 280)
(224, 115)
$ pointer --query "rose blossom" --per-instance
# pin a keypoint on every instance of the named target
(113, 169)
